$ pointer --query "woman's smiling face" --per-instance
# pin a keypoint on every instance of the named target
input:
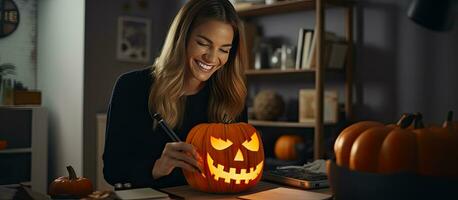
(208, 48)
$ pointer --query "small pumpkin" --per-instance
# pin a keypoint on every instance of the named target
(285, 147)
(71, 185)
(233, 157)
(3, 144)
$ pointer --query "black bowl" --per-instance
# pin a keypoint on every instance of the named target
(354, 185)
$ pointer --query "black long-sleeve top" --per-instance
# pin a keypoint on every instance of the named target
(131, 144)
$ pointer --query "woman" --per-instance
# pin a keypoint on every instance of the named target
(197, 78)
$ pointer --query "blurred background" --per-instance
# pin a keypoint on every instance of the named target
(67, 55)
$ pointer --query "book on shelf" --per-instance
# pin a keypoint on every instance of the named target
(307, 45)
(311, 58)
(338, 55)
(300, 47)
(335, 50)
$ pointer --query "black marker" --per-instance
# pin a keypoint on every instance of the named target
(169, 132)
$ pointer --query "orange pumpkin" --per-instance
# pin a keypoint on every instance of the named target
(3, 144)
(70, 185)
(373, 147)
(437, 148)
(233, 157)
(285, 147)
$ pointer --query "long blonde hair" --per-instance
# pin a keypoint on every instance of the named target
(228, 89)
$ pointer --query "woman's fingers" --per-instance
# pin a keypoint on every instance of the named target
(182, 156)
(184, 152)
(184, 165)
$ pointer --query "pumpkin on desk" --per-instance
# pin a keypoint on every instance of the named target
(373, 147)
(402, 161)
(70, 186)
(233, 157)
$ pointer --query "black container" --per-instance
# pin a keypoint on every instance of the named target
(349, 184)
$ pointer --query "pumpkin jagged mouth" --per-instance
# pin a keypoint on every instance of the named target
(245, 176)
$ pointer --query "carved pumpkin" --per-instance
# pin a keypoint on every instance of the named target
(70, 185)
(233, 157)
(285, 147)
(373, 147)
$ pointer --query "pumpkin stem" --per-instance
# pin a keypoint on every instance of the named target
(449, 119)
(406, 120)
(418, 122)
(71, 173)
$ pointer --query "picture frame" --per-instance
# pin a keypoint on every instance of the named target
(307, 106)
(134, 39)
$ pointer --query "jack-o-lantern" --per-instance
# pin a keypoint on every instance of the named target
(233, 157)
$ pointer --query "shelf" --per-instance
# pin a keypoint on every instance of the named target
(252, 72)
(284, 7)
(18, 150)
(285, 124)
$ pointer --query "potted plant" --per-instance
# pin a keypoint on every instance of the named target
(5, 69)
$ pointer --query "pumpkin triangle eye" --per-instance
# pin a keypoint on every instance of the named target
(253, 144)
(220, 144)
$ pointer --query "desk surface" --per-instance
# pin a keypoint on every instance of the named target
(189, 193)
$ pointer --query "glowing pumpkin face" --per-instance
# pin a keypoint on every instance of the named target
(233, 157)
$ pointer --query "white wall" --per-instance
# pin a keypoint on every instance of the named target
(19, 47)
(60, 73)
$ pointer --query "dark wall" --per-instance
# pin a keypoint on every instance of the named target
(403, 67)
(101, 66)
(400, 66)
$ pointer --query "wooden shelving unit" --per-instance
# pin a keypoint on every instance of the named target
(286, 71)
(18, 150)
(285, 6)
(319, 72)
(285, 124)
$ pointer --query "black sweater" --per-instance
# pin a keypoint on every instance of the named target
(131, 144)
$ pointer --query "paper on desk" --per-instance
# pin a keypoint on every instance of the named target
(140, 193)
(286, 193)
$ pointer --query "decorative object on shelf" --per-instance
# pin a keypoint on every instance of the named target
(282, 58)
(3, 144)
(9, 17)
(307, 106)
(275, 60)
(263, 53)
(268, 105)
(134, 39)
(26, 97)
(289, 147)
(70, 186)
(268, 2)
(7, 92)
(403, 161)
(6, 69)
(233, 157)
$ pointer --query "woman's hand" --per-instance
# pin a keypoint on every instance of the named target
(177, 154)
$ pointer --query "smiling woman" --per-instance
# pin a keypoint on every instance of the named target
(197, 78)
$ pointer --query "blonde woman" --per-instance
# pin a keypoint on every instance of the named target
(197, 78)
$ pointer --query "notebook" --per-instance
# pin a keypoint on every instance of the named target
(140, 193)
(286, 193)
(297, 177)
